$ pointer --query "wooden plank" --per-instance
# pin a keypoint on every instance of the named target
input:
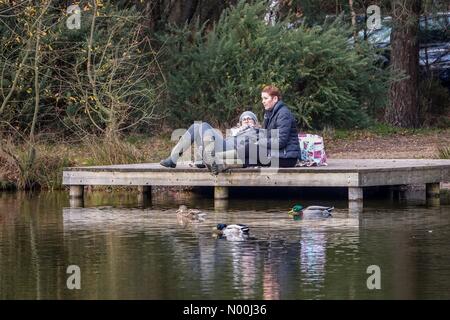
(335, 165)
(396, 177)
(339, 173)
(206, 179)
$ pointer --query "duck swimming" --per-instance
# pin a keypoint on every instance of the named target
(190, 214)
(232, 232)
(299, 212)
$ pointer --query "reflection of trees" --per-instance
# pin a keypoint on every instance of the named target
(271, 286)
(143, 253)
(313, 246)
(30, 246)
(274, 259)
(179, 259)
(243, 256)
(343, 276)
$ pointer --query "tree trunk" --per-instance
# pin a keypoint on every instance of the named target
(161, 12)
(353, 14)
(403, 108)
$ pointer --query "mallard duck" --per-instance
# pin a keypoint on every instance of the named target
(190, 214)
(298, 212)
(232, 232)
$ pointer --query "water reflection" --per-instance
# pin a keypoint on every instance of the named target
(313, 256)
(243, 259)
(239, 267)
(131, 252)
(271, 273)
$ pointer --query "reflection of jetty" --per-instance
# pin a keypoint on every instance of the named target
(133, 219)
(354, 174)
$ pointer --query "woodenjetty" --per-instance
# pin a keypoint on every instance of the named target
(354, 174)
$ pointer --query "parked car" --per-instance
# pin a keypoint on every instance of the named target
(434, 41)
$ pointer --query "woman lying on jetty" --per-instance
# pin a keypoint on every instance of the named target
(209, 142)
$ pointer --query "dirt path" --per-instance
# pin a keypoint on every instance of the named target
(399, 146)
(414, 146)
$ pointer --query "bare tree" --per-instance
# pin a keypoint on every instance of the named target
(162, 12)
(353, 15)
(27, 31)
(114, 83)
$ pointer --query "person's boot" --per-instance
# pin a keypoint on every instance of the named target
(177, 152)
(217, 168)
(168, 163)
(198, 162)
(217, 162)
(208, 151)
(224, 161)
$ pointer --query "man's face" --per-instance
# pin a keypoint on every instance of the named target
(268, 101)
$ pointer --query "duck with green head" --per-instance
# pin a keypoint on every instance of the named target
(299, 212)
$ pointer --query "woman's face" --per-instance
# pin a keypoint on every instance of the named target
(248, 121)
(268, 101)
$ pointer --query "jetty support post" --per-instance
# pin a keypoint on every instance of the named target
(144, 195)
(355, 199)
(220, 193)
(398, 192)
(76, 196)
(432, 191)
(220, 205)
(355, 194)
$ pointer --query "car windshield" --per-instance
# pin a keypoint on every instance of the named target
(432, 29)
(436, 55)
(438, 22)
(378, 36)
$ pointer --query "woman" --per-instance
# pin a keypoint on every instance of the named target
(281, 140)
(210, 144)
(246, 120)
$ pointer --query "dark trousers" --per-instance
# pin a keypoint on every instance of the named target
(288, 162)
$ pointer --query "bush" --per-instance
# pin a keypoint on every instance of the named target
(214, 75)
(104, 83)
(434, 103)
(111, 151)
(444, 152)
(32, 168)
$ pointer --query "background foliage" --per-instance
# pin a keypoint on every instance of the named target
(215, 75)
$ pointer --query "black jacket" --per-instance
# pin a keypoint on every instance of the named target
(282, 119)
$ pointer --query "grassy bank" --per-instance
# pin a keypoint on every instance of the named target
(46, 170)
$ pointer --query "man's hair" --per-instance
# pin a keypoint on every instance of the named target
(272, 91)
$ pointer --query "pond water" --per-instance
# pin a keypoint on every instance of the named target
(128, 251)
